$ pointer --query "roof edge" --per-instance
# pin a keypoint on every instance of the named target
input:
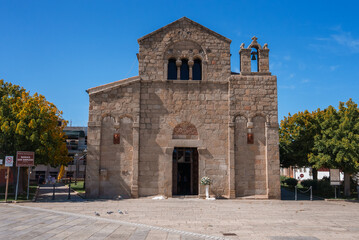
(111, 85)
(188, 20)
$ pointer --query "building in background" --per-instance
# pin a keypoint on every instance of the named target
(76, 143)
(305, 173)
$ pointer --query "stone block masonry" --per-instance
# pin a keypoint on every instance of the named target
(185, 101)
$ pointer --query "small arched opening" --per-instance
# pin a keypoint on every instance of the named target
(172, 69)
(254, 60)
(197, 70)
(184, 70)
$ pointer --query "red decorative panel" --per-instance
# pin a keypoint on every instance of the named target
(250, 138)
(116, 138)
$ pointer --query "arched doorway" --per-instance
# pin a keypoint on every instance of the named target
(185, 171)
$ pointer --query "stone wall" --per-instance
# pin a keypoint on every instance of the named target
(110, 167)
(208, 107)
(116, 159)
(250, 159)
(254, 101)
(166, 105)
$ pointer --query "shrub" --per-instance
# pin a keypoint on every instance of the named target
(282, 179)
(308, 183)
(325, 179)
(291, 182)
(324, 189)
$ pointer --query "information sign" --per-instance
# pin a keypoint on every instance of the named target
(25, 159)
(334, 177)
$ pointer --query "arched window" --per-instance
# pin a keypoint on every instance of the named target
(197, 70)
(184, 70)
(172, 69)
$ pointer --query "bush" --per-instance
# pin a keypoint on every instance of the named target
(291, 182)
(309, 183)
(282, 179)
(325, 179)
(324, 189)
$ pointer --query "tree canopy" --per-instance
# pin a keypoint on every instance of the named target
(337, 145)
(296, 137)
(324, 138)
(30, 123)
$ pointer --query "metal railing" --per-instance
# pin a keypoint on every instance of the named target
(296, 193)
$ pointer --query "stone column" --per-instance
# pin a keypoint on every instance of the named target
(202, 155)
(93, 160)
(190, 64)
(231, 161)
(272, 161)
(263, 60)
(245, 57)
(135, 159)
(165, 172)
(178, 64)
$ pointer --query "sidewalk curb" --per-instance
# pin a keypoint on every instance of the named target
(341, 200)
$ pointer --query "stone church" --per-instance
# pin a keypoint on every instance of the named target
(185, 116)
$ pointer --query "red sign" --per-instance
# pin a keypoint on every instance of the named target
(9, 161)
(301, 175)
(25, 159)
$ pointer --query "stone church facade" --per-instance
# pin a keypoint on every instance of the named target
(185, 116)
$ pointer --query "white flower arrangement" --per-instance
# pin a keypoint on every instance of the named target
(206, 180)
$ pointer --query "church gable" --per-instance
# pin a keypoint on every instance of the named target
(182, 43)
(183, 21)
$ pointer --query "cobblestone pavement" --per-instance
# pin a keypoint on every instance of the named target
(21, 222)
(233, 219)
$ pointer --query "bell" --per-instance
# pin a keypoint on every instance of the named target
(253, 56)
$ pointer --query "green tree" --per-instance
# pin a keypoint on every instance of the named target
(337, 145)
(30, 123)
(296, 138)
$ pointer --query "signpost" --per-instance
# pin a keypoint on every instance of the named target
(24, 159)
(9, 162)
(335, 179)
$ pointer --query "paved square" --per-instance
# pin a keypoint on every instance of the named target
(232, 219)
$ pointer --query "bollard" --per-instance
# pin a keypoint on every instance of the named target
(311, 193)
(295, 193)
(69, 196)
(53, 191)
(339, 191)
(335, 192)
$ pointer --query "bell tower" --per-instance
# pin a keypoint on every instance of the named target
(254, 54)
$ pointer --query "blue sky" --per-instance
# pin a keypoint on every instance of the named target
(61, 48)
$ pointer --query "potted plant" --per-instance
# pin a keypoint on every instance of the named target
(206, 181)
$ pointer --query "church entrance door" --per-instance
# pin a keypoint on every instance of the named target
(185, 171)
